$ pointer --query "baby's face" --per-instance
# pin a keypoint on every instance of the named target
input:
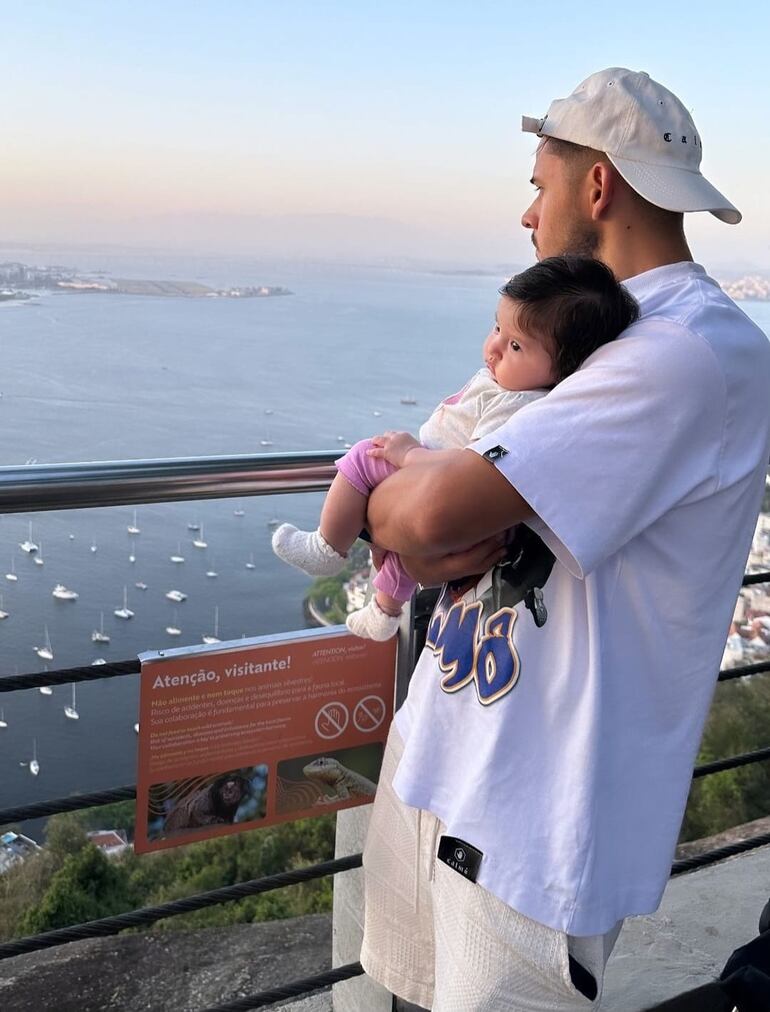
(517, 360)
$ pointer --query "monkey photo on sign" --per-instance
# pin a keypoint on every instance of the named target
(213, 805)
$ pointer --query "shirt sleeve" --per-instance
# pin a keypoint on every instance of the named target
(637, 431)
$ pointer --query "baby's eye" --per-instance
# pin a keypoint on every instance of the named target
(515, 346)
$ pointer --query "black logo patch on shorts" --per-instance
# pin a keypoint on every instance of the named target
(495, 453)
(460, 855)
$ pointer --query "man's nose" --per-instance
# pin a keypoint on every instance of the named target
(529, 218)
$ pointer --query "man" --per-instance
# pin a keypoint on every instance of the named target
(535, 778)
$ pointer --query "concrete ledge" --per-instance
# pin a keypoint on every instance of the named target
(703, 917)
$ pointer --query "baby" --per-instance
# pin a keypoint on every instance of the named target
(549, 319)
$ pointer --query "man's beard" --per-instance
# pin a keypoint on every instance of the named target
(582, 240)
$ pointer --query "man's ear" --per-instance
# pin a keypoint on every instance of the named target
(602, 183)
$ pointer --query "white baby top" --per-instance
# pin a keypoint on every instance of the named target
(564, 753)
(480, 407)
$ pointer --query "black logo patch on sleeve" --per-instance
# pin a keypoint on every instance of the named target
(460, 856)
(495, 453)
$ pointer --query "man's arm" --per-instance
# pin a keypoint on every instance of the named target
(443, 504)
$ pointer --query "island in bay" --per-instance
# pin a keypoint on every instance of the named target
(17, 280)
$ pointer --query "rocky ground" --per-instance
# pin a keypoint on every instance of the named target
(169, 971)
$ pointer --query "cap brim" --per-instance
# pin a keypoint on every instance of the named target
(676, 189)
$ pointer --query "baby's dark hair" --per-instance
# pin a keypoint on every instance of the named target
(573, 304)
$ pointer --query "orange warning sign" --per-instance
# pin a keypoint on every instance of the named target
(260, 731)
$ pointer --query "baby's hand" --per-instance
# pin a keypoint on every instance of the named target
(393, 447)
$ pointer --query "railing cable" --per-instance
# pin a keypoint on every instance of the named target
(296, 989)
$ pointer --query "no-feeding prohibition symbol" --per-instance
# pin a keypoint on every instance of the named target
(331, 720)
(369, 713)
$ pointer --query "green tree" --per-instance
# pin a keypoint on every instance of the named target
(87, 886)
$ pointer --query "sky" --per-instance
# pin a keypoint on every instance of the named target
(348, 129)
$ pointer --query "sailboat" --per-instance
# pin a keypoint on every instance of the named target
(178, 557)
(29, 545)
(3, 614)
(239, 513)
(132, 528)
(45, 651)
(176, 595)
(136, 728)
(39, 557)
(273, 522)
(99, 635)
(12, 575)
(193, 527)
(215, 638)
(376, 413)
(34, 765)
(97, 662)
(132, 557)
(212, 573)
(93, 545)
(199, 542)
(71, 711)
(140, 585)
(267, 441)
(173, 629)
(251, 564)
(3, 721)
(124, 612)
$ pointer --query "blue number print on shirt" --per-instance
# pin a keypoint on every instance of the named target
(465, 653)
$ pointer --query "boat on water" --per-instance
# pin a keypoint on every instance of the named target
(12, 575)
(140, 586)
(199, 542)
(71, 710)
(214, 638)
(97, 662)
(193, 527)
(239, 513)
(63, 594)
(99, 635)
(34, 765)
(173, 629)
(39, 561)
(3, 614)
(93, 546)
(45, 652)
(273, 522)
(3, 721)
(265, 442)
(178, 557)
(251, 564)
(409, 400)
(132, 558)
(376, 413)
(176, 595)
(136, 727)
(212, 573)
(125, 611)
(132, 528)
(29, 545)
(71, 537)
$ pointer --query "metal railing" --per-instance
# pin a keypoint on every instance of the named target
(117, 483)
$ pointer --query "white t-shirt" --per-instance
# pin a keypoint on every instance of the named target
(480, 407)
(565, 753)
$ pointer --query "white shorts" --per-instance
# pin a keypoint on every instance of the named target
(438, 940)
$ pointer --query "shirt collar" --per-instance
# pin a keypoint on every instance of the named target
(649, 283)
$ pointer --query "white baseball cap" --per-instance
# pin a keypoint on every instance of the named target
(646, 133)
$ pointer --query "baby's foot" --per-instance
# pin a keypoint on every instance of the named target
(307, 550)
(372, 623)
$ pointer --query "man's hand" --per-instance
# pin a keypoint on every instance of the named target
(472, 562)
(393, 447)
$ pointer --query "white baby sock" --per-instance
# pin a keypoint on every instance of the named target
(307, 550)
(372, 623)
